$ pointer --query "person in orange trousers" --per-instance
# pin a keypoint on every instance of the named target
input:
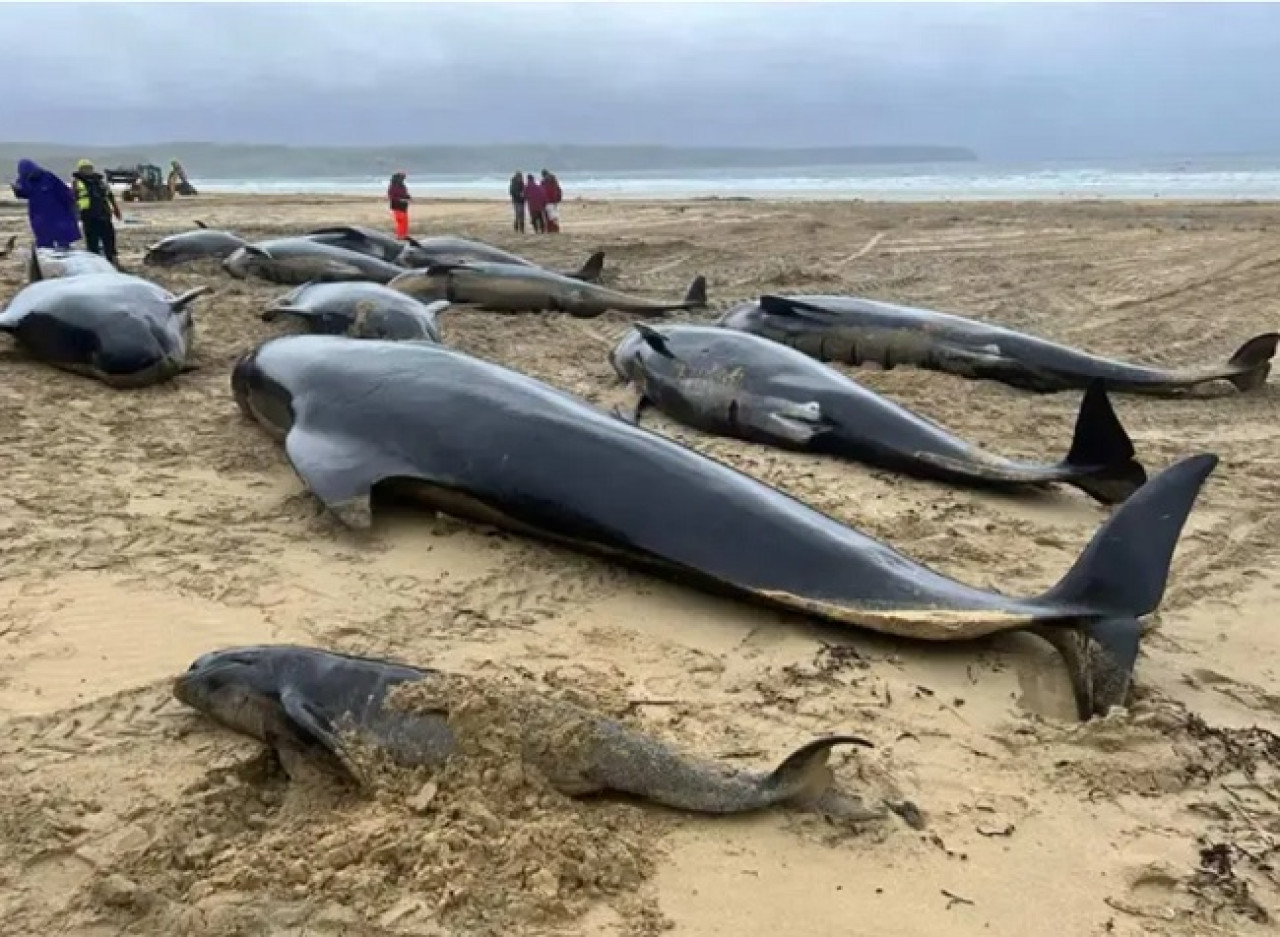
(398, 197)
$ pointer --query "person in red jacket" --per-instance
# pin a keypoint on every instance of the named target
(536, 201)
(551, 191)
(398, 197)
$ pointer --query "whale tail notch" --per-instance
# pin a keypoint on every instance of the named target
(1102, 453)
(1119, 577)
(1251, 363)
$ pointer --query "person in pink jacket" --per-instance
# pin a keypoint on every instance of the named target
(536, 201)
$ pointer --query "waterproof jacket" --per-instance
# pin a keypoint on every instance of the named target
(51, 208)
(94, 197)
(398, 193)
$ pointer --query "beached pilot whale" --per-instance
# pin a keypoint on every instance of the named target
(740, 385)
(428, 252)
(204, 243)
(358, 415)
(309, 704)
(359, 310)
(293, 261)
(362, 240)
(857, 331)
(119, 329)
(517, 288)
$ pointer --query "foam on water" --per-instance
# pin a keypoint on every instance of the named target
(1221, 179)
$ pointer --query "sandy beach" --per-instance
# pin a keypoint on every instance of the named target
(139, 529)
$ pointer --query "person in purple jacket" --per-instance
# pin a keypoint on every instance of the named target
(51, 208)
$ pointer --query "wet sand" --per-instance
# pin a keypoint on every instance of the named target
(139, 529)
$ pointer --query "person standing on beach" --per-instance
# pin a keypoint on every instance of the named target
(536, 200)
(516, 191)
(551, 190)
(399, 198)
(97, 205)
(51, 208)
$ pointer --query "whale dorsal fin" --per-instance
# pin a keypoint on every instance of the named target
(776, 305)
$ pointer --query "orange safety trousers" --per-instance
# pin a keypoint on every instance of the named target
(402, 224)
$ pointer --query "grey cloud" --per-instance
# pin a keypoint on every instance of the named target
(1008, 80)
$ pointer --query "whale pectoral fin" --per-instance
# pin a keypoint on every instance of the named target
(655, 340)
(340, 268)
(334, 470)
(316, 731)
(632, 413)
(784, 421)
(196, 292)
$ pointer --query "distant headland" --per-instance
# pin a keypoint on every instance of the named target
(267, 162)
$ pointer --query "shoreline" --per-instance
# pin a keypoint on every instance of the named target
(588, 201)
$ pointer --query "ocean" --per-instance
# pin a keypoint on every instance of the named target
(1217, 178)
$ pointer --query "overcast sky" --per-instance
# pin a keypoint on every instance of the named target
(1012, 81)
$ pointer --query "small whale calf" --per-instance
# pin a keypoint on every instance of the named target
(310, 705)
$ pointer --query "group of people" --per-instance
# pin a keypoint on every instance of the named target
(57, 211)
(541, 199)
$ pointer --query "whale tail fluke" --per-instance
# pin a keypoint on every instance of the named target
(1252, 361)
(1102, 453)
(1121, 576)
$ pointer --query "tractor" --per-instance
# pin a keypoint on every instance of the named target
(147, 183)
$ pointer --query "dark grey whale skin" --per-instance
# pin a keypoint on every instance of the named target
(302, 701)
(856, 331)
(202, 243)
(478, 441)
(359, 310)
(119, 329)
(741, 385)
(294, 261)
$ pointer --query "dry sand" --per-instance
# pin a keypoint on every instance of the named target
(142, 528)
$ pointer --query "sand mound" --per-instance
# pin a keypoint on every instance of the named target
(480, 847)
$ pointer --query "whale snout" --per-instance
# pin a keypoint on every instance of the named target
(624, 353)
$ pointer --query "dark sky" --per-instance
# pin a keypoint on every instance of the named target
(1012, 81)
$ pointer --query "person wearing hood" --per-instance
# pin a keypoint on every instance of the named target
(536, 199)
(51, 208)
(398, 197)
(97, 204)
(551, 190)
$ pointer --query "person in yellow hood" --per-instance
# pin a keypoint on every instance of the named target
(97, 205)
